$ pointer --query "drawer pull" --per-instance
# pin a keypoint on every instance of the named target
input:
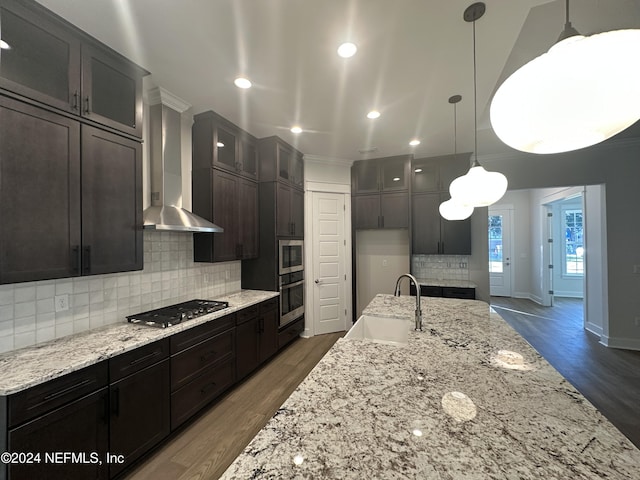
(64, 391)
(207, 356)
(146, 357)
(208, 387)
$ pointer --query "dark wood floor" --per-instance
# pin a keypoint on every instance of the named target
(609, 378)
(210, 444)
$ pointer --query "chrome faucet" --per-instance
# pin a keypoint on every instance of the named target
(418, 307)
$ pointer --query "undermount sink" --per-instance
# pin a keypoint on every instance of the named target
(388, 330)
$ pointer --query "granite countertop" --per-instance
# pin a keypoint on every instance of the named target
(434, 282)
(24, 368)
(466, 398)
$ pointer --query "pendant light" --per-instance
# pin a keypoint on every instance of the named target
(450, 210)
(584, 90)
(478, 188)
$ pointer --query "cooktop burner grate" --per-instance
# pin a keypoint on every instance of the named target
(175, 314)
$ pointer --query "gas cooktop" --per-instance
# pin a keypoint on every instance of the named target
(175, 314)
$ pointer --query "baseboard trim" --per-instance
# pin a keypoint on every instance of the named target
(621, 343)
(593, 328)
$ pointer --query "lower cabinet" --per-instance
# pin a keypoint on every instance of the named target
(290, 332)
(465, 293)
(139, 402)
(256, 336)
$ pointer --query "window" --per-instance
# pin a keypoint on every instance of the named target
(495, 243)
(573, 253)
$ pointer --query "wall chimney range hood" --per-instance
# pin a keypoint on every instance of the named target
(166, 212)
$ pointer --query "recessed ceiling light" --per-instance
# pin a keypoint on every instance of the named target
(242, 82)
(4, 45)
(296, 129)
(373, 114)
(219, 144)
(418, 170)
(414, 142)
(396, 179)
(347, 50)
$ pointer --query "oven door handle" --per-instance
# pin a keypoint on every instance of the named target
(291, 285)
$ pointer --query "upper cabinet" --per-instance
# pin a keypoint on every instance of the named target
(279, 161)
(435, 174)
(381, 175)
(55, 64)
(219, 143)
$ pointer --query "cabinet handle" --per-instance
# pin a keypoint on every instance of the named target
(74, 105)
(146, 357)
(208, 387)
(87, 108)
(115, 407)
(64, 391)
(75, 259)
(86, 259)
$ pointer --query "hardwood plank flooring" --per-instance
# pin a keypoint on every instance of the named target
(207, 446)
(609, 378)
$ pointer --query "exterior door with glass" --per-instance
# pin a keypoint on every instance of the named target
(500, 252)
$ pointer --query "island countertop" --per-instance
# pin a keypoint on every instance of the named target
(466, 398)
(26, 367)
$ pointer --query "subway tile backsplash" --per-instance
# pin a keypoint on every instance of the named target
(440, 267)
(28, 310)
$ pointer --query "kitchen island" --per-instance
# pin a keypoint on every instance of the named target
(465, 398)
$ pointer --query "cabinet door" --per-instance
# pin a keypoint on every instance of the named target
(394, 174)
(364, 176)
(425, 174)
(111, 203)
(111, 91)
(39, 194)
(285, 159)
(247, 347)
(425, 224)
(225, 147)
(80, 426)
(225, 208)
(297, 213)
(455, 238)
(247, 219)
(43, 61)
(283, 210)
(366, 211)
(297, 170)
(452, 167)
(248, 156)
(268, 334)
(394, 210)
(139, 413)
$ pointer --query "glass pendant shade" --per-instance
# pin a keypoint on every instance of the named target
(584, 90)
(450, 210)
(478, 188)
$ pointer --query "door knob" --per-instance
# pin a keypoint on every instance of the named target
(317, 280)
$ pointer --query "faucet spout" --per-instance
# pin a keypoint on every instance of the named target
(418, 314)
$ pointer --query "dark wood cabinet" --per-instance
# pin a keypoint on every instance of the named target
(289, 211)
(431, 234)
(230, 201)
(279, 161)
(269, 319)
(247, 346)
(466, 293)
(219, 143)
(380, 193)
(256, 336)
(80, 188)
(139, 402)
(435, 174)
(68, 414)
(290, 332)
(53, 63)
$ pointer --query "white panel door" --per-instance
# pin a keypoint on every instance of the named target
(500, 252)
(329, 262)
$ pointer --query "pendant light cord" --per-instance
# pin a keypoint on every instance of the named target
(475, 102)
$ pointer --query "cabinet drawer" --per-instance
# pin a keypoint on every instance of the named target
(269, 305)
(193, 336)
(290, 332)
(189, 363)
(458, 292)
(47, 396)
(426, 290)
(188, 400)
(246, 314)
(135, 360)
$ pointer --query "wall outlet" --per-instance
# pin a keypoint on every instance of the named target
(385, 262)
(61, 302)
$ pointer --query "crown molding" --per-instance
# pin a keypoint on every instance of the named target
(332, 161)
(159, 95)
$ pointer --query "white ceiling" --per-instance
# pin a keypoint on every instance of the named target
(413, 55)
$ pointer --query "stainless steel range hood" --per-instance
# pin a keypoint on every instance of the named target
(166, 212)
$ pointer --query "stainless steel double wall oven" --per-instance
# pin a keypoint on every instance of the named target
(291, 280)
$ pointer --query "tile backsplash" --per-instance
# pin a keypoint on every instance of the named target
(440, 267)
(28, 310)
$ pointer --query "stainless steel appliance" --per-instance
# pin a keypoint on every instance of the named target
(174, 314)
(291, 297)
(290, 256)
